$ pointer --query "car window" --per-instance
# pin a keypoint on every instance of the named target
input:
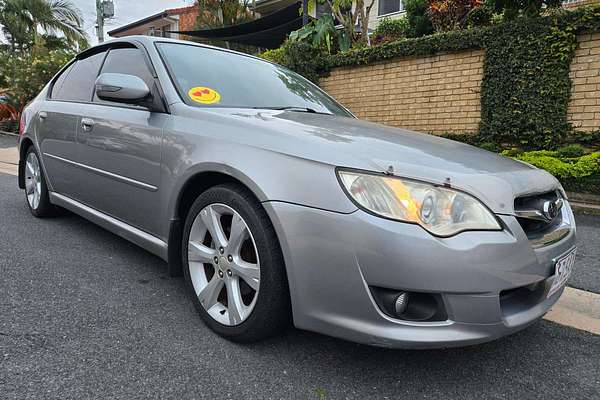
(208, 77)
(60, 80)
(130, 61)
(78, 84)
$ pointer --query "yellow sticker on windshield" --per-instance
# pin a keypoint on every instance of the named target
(204, 95)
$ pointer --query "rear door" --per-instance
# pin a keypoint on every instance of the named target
(58, 119)
(120, 145)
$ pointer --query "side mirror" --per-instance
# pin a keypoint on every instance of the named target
(122, 88)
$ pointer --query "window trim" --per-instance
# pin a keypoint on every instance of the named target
(392, 14)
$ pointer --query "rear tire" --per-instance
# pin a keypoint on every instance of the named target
(251, 267)
(36, 190)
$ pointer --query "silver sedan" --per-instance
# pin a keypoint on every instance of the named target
(279, 206)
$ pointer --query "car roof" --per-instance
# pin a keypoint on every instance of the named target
(149, 40)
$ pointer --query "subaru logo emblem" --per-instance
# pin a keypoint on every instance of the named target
(550, 209)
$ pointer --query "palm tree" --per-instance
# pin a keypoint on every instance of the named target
(24, 21)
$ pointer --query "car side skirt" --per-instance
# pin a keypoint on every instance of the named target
(124, 230)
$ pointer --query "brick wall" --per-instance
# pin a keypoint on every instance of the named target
(441, 93)
(584, 107)
(434, 94)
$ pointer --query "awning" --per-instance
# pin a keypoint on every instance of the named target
(269, 31)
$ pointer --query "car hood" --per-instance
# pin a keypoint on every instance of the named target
(353, 143)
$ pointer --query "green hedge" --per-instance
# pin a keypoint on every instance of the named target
(563, 168)
(576, 172)
(423, 46)
(526, 87)
(588, 184)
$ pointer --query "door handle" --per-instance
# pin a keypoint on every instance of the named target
(87, 124)
(43, 115)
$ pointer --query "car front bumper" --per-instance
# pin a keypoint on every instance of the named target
(333, 259)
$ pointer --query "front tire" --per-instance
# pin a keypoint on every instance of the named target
(233, 265)
(36, 190)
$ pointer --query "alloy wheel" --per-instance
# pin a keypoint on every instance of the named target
(33, 180)
(224, 264)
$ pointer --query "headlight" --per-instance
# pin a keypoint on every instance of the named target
(441, 211)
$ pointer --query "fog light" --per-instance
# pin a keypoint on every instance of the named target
(409, 306)
(401, 303)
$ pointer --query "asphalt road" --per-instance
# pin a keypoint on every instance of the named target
(85, 314)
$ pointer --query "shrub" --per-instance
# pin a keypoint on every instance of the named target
(390, 29)
(449, 15)
(489, 146)
(589, 139)
(530, 8)
(276, 55)
(571, 151)
(24, 74)
(587, 184)
(479, 16)
(563, 168)
(467, 138)
(11, 126)
(418, 18)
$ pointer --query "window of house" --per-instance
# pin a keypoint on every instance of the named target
(390, 6)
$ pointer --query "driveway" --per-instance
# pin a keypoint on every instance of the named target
(86, 314)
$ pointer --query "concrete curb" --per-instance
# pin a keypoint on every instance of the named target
(585, 208)
(8, 133)
(578, 309)
(584, 203)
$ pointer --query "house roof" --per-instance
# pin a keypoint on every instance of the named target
(155, 17)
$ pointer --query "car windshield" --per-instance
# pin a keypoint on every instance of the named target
(208, 77)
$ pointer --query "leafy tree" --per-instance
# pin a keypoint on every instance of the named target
(220, 13)
(390, 29)
(24, 74)
(449, 15)
(530, 8)
(349, 16)
(418, 18)
(322, 34)
(24, 22)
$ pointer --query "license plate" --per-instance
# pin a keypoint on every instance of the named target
(562, 271)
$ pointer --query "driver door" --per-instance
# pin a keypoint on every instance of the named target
(120, 145)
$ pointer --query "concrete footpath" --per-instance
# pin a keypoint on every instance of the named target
(9, 157)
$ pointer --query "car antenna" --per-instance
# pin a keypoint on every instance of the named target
(390, 170)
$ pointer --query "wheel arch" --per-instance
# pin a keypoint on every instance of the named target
(195, 183)
(26, 143)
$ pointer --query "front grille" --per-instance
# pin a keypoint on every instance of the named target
(525, 208)
(541, 224)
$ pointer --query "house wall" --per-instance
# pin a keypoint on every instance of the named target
(442, 93)
(187, 18)
(374, 18)
(434, 94)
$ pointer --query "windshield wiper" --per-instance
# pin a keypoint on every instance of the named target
(293, 108)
